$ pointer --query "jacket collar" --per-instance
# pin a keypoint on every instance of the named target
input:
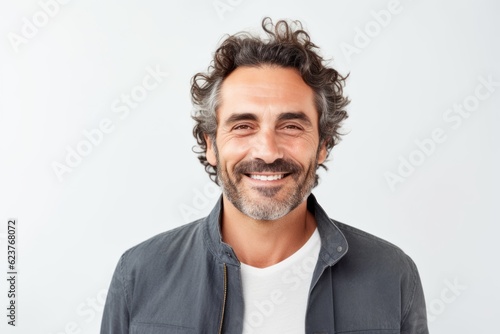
(333, 243)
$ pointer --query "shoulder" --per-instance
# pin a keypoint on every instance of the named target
(356, 235)
(175, 243)
(365, 249)
(378, 275)
(170, 261)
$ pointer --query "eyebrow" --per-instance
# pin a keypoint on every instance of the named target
(240, 117)
(295, 115)
(292, 115)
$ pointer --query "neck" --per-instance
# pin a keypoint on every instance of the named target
(262, 243)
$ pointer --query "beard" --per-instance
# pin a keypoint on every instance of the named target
(270, 202)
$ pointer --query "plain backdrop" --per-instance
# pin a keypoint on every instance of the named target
(419, 72)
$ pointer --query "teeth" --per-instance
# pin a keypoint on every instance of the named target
(267, 177)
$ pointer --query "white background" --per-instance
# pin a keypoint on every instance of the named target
(142, 178)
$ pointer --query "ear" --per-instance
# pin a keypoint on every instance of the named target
(210, 151)
(322, 153)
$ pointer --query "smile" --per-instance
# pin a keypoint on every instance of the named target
(262, 177)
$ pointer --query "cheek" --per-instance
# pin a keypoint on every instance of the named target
(302, 150)
(232, 152)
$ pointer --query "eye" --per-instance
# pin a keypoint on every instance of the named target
(292, 127)
(242, 127)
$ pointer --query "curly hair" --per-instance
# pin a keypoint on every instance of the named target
(287, 45)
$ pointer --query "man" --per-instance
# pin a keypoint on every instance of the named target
(267, 259)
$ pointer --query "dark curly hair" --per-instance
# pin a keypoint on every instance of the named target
(287, 45)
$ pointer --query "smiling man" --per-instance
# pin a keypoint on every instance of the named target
(267, 259)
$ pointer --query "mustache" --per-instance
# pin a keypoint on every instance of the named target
(259, 166)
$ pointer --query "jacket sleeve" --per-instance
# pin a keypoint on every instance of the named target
(115, 319)
(415, 315)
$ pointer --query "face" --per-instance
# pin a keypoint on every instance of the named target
(267, 145)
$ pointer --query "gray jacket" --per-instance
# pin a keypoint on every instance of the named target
(188, 281)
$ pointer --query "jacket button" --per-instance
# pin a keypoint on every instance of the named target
(339, 249)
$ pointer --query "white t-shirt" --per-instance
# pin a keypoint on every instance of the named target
(276, 297)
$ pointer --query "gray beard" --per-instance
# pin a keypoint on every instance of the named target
(268, 208)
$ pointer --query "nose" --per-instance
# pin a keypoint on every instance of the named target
(266, 146)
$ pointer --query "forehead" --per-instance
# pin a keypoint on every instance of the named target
(266, 88)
